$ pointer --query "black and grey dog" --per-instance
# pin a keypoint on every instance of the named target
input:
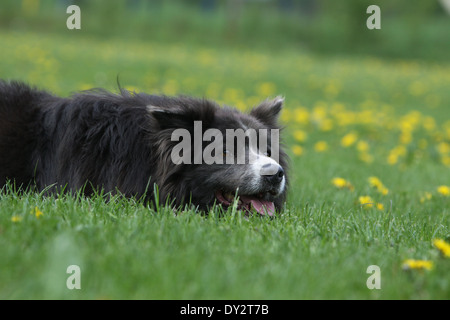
(97, 140)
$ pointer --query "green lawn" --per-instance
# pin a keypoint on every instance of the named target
(348, 118)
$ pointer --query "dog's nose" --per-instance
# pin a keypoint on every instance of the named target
(272, 173)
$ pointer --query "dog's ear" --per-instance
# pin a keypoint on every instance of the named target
(268, 111)
(183, 116)
(168, 118)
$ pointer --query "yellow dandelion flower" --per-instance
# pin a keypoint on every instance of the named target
(16, 218)
(417, 264)
(366, 201)
(319, 112)
(405, 137)
(297, 150)
(444, 190)
(132, 88)
(342, 183)
(301, 115)
(392, 158)
(321, 146)
(362, 146)
(395, 153)
(38, 213)
(401, 150)
(339, 182)
(443, 148)
(443, 246)
(426, 196)
(349, 139)
(85, 86)
(380, 206)
(300, 135)
(240, 105)
(383, 190)
(376, 183)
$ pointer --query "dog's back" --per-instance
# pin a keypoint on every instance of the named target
(87, 140)
(19, 114)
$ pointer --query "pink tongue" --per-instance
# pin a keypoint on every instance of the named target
(263, 206)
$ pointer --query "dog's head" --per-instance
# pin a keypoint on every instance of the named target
(211, 155)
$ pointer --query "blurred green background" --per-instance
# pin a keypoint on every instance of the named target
(409, 28)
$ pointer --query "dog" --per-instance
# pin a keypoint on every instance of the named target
(124, 143)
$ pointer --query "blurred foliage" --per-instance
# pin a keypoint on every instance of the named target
(409, 28)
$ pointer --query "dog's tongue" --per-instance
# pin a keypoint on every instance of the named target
(261, 206)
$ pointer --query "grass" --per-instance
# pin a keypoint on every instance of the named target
(345, 118)
(126, 250)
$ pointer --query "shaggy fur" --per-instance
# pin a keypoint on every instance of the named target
(120, 142)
